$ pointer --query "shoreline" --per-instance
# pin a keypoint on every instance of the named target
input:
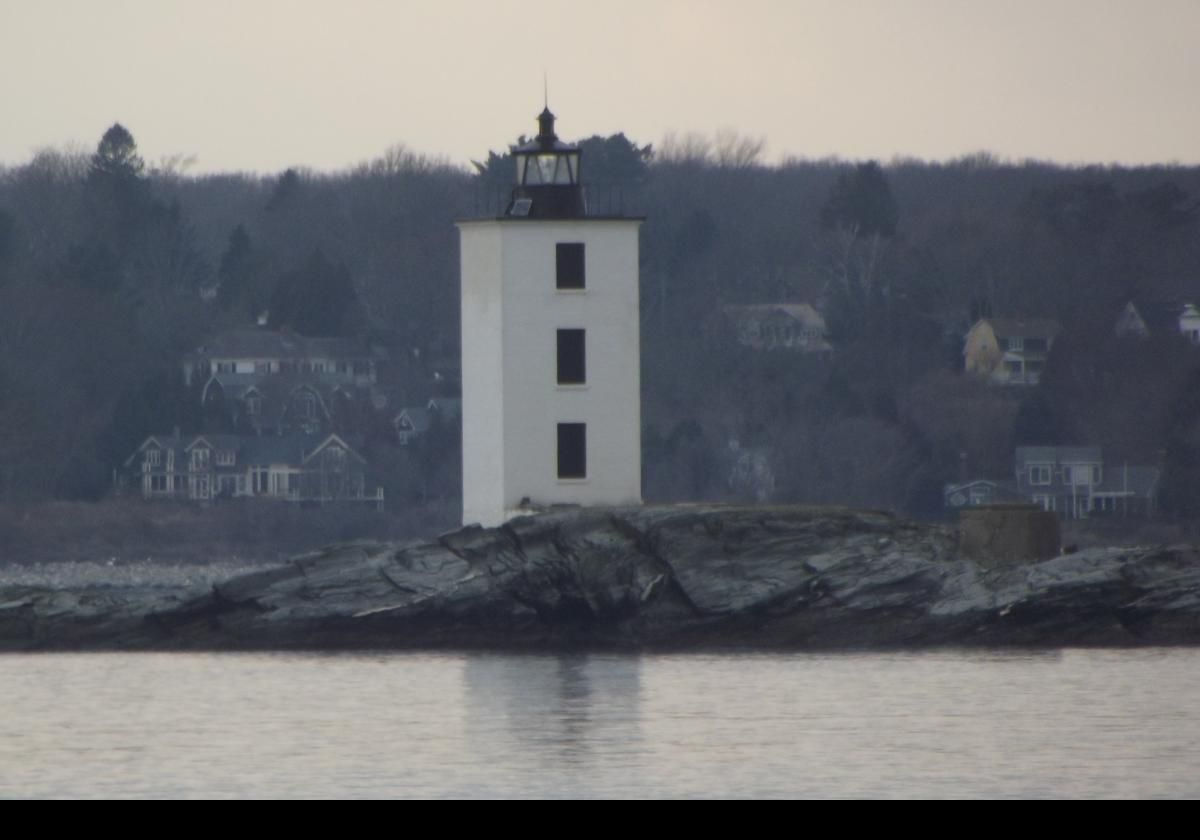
(672, 578)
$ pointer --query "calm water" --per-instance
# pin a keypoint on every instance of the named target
(1072, 723)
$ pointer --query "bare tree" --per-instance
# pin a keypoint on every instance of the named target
(692, 148)
(736, 151)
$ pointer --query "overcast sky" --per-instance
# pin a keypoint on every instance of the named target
(263, 84)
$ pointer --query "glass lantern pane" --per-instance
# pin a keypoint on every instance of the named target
(547, 165)
(563, 176)
(532, 174)
(521, 159)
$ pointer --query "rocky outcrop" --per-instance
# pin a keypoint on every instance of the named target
(668, 577)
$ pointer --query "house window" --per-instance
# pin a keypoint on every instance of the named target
(572, 450)
(1016, 344)
(1045, 502)
(335, 458)
(253, 406)
(569, 265)
(225, 458)
(199, 459)
(1081, 474)
(1076, 475)
(158, 483)
(152, 457)
(306, 404)
(572, 368)
(1039, 474)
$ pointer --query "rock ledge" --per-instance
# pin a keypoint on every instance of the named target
(659, 577)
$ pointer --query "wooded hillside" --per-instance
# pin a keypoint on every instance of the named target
(111, 270)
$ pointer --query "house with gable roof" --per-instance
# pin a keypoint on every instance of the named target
(1009, 351)
(1147, 318)
(259, 381)
(314, 469)
(1073, 481)
(980, 491)
(780, 326)
(277, 405)
(413, 421)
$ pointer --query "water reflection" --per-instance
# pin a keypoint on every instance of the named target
(565, 711)
(1089, 723)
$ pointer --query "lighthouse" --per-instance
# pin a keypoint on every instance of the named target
(551, 407)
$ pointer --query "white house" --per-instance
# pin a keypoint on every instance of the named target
(550, 359)
(781, 326)
(1075, 482)
(1189, 323)
(263, 352)
(311, 469)
(1146, 318)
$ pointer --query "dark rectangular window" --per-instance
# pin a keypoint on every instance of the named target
(572, 450)
(569, 265)
(572, 366)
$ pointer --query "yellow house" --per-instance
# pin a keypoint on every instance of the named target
(1009, 351)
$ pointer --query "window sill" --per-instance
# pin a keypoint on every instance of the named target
(571, 386)
(583, 480)
(571, 291)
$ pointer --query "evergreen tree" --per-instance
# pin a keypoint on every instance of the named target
(8, 245)
(317, 299)
(286, 188)
(861, 202)
(117, 190)
(116, 156)
(614, 160)
(236, 275)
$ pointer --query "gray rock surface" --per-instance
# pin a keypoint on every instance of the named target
(666, 577)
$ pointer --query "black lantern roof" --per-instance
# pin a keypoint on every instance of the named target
(548, 185)
(546, 140)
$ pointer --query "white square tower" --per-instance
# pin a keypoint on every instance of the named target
(551, 405)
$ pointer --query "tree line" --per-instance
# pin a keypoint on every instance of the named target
(111, 269)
